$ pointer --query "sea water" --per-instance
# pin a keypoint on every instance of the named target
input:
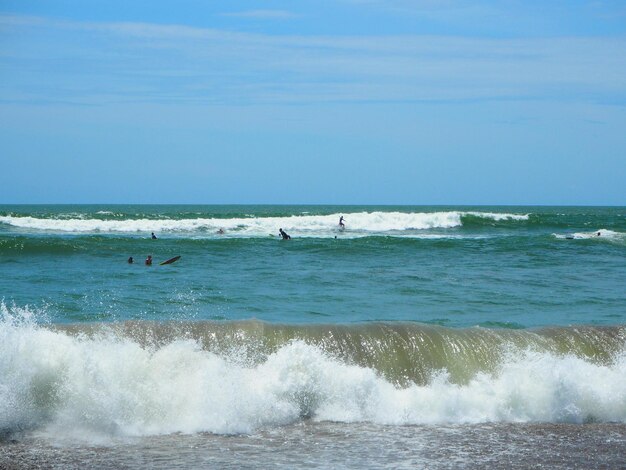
(415, 336)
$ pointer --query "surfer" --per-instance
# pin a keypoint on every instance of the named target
(149, 260)
(341, 224)
(131, 260)
(598, 233)
(154, 236)
(283, 234)
(220, 231)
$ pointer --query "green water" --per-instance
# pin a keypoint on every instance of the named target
(510, 267)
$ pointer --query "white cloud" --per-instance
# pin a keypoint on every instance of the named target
(145, 61)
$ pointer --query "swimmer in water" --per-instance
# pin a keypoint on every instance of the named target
(149, 260)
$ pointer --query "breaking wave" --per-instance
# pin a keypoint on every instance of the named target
(599, 235)
(137, 379)
(358, 224)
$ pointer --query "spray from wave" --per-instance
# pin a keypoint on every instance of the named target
(103, 381)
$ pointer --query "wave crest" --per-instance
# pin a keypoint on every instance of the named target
(358, 224)
(109, 384)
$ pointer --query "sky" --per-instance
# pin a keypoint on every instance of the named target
(313, 102)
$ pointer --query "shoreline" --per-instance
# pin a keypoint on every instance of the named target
(306, 444)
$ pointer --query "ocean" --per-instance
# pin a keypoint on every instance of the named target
(415, 337)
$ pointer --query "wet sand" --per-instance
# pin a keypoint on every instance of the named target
(337, 445)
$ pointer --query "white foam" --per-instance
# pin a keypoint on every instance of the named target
(358, 224)
(107, 386)
(497, 216)
(600, 235)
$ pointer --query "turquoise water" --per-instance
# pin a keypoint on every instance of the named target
(509, 267)
(451, 321)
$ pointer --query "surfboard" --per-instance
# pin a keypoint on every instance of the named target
(170, 261)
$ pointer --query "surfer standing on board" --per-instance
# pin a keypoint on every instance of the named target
(283, 234)
(341, 224)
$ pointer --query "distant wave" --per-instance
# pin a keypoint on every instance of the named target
(599, 235)
(139, 379)
(357, 224)
(497, 216)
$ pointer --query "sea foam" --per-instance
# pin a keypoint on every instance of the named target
(358, 224)
(107, 385)
(599, 235)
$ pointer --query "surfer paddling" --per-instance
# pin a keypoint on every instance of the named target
(283, 234)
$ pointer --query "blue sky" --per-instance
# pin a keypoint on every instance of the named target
(329, 102)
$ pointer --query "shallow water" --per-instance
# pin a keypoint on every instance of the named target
(335, 445)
